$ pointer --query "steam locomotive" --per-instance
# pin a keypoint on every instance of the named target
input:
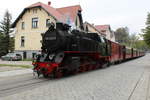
(66, 51)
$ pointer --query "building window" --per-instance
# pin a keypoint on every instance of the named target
(34, 22)
(22, 41)
(103, 31)
(23, 25)
(33, 55)
(76, 22)
(87, 29)
(34, 11)
(29, 10)
(48, 22)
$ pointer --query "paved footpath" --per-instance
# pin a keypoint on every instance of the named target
(126, 81)
(16, 62)
(15, 72)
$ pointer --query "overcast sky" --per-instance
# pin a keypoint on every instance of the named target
(117, 13)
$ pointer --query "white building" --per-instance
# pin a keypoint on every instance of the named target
(106, 31)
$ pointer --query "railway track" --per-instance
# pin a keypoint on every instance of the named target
(18, 84)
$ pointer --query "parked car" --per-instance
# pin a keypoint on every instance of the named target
(12, 57)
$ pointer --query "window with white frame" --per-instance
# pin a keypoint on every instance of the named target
(35, 22)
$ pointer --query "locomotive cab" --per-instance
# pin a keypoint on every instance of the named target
(100, 43)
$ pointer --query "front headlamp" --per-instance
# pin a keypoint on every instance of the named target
(51, 56)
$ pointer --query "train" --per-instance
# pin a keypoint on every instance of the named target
(65, 51)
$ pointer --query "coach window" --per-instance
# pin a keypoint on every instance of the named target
(34, 22)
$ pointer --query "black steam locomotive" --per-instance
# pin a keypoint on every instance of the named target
(67, 51)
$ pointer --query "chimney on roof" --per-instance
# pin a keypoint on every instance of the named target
(49, 3)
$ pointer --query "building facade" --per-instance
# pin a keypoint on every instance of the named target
(34, 21)
(106, 31)
(103, 30)
(91, 29)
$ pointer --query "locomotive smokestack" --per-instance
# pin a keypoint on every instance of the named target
(49, 3)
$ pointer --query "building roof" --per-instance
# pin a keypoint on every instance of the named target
(102, 28)
(70, 11)
(60, 14)
(91, 26)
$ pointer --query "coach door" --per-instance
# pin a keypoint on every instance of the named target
(132, 52)
(120, 50)
(124, 52)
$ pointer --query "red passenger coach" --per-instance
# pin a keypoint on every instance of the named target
(117, 52)
(141, 53)
(128, 53)
(134, 53)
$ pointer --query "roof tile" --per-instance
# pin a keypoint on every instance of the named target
(50, 10)
(70, 11)
(102, 28)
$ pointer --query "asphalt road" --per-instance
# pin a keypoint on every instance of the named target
(126, 81)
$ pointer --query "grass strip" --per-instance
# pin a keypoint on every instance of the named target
(27, 59)
(10, 65)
